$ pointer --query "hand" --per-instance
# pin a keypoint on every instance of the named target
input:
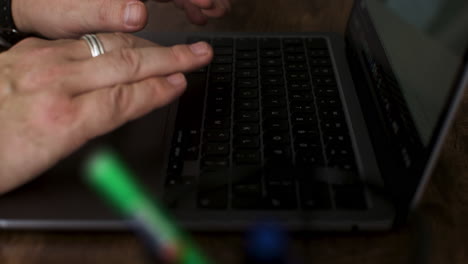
(72, 18)
(54, 97)
(198, 11)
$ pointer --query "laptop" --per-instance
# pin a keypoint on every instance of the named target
(312, 130)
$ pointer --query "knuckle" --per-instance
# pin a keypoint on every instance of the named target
(130, 59)
(181, 55)
(119, 101)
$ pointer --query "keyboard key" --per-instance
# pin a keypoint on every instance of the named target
(274, 101)
(336, 139)
(302, 107)
(330, 114)
(299, 86)
(220, 88)
(242, 157)
(292, 42)
(275, 114)
(328, 103)
(305, 131)
(301, 96)
(222, 42)
(335, 125)
(326, 92)
(217, 135)
(246, 55)
(277, 125)
(246, 129)
(272, 71)
(273, 90)
(273, 80)
(335, 153)
(195, 39)
(222, 51)
(320, 62)
(278, 155)
(321, 71)
(303, 119)
(310, 158)
(271, 53)
(247, 73)
(218, 123)
(247, 83)
(221, 68)
(271, 62)
(308, 144)
(294, 49)
(218, 111)
(222, 60)
(247, 93)
(214, 163)
(318, 53)
(296, 66)
(247, 116)
(248, 142)
(316, 43)
(217, 149)
(270, 43)
(246, 44)
(298, 76)
(246, 64)
(221, 78)
(275, 138)
(324, 81)
(295, 58)
(246, 104)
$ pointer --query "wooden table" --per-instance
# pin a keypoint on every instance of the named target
(444, 208)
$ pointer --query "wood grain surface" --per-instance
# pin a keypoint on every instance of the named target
(444, 210)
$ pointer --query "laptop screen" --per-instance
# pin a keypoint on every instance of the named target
(405, 57)
(424, 41)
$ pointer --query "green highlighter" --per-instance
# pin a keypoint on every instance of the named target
(109, 176)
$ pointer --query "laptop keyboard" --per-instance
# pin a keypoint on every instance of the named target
(262, 127)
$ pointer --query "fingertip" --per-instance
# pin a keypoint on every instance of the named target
(135, 15)
(177, 80)
(204, 4)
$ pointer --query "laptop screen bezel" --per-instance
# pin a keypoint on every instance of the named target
(428, 156)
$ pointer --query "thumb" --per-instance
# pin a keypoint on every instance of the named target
(114, 15)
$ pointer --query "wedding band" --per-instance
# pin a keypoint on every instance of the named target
(95, 45)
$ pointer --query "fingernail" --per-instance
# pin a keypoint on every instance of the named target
(134, 14)
(199, 48)
(176, 80)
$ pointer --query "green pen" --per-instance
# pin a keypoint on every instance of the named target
(108, 175)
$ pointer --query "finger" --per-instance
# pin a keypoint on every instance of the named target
(130, 65)
(203, 4)
(220, 9)
(194, 14)
(104, 110)
(79, 49)
(112, 15)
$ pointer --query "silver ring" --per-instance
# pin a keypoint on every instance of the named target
(95, 45)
